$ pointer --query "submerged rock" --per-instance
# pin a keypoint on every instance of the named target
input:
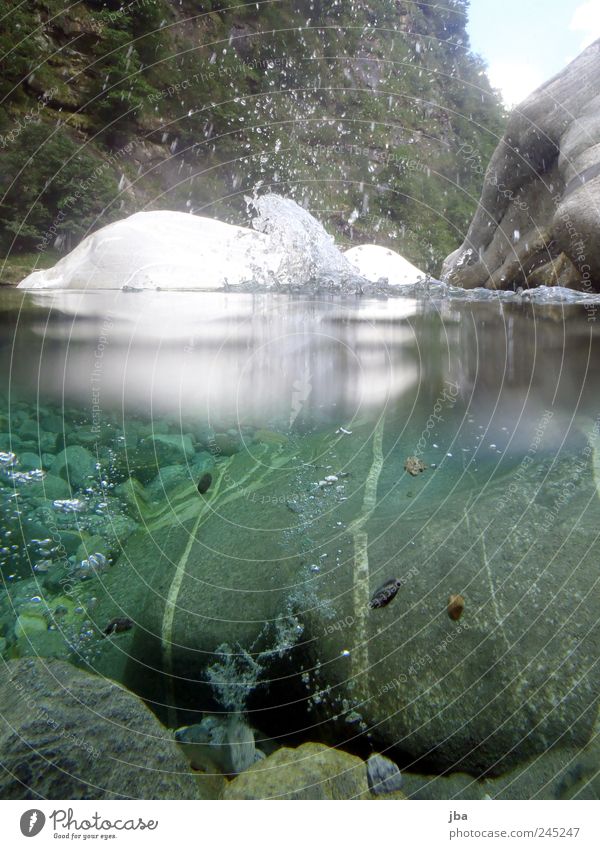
(224, 743)
(312, 771)
(538, 219)
(71, 735)
(291, 598)
(383, 775)
(75, 464)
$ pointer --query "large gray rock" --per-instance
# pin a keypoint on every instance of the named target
(259, 592)
(538, 220)
(66, 734)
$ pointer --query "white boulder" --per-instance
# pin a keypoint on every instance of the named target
(152, 250)
(176, 250)
(374, 263)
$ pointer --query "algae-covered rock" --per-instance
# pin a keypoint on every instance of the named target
(206, 567)
(71, 735)
(75, 464)
(312, 771)
(172, 448)
(512, 677)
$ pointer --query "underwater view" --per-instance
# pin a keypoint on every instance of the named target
(357, 528)
(300, 421)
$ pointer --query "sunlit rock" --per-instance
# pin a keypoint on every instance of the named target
(287, 247)
(376, 263)
(150, 250)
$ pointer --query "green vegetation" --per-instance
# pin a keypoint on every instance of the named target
(354, 109)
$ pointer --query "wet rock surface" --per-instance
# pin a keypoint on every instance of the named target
(312, 771)
(66, 734)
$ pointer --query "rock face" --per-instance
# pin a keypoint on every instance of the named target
(66, 734)
(538, 221)
(312, 771)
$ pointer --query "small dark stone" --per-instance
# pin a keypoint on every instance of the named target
(117, 626)
(204, 483)
(383, 775)
(385, 593)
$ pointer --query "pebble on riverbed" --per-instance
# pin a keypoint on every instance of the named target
(383, 775)
(204, 483)
(456, 605)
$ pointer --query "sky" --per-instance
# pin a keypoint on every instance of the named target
(525, 42)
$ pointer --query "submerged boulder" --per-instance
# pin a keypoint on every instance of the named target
(538, 220)
(256, 596)
(66, 734)
(312, 771)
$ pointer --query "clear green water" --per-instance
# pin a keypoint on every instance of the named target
(251, 598)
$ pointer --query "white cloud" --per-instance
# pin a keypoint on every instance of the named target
(516, 80)
(586, 20)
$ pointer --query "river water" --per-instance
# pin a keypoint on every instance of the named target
(226, 475)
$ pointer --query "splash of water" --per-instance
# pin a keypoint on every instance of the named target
(308, 254)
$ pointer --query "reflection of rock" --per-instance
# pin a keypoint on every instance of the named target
(539, 216)
(68, 734)
(311, 771)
